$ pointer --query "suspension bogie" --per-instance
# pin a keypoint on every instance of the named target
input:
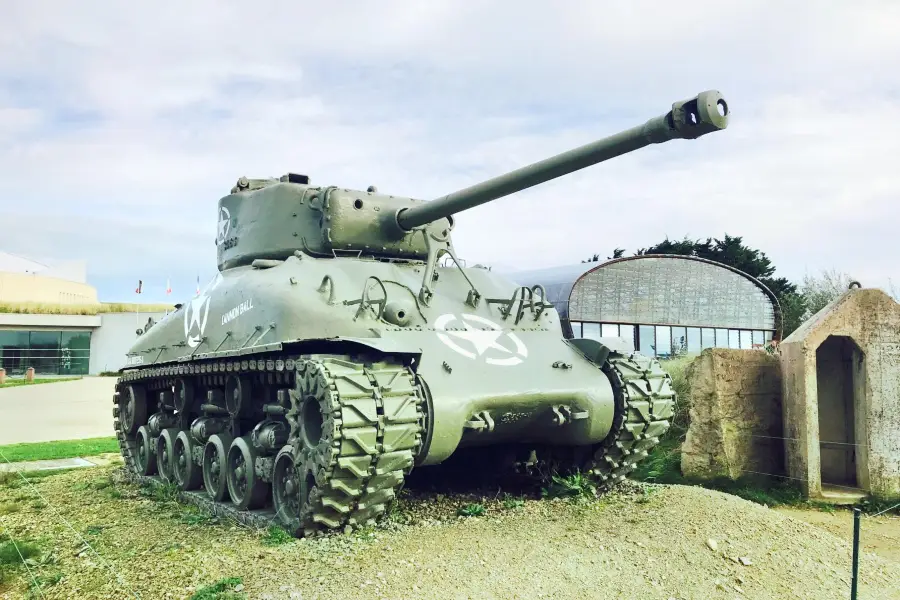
(313, 443)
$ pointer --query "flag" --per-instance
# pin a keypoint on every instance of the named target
(140, 285)
(198, 285)
(168, 288)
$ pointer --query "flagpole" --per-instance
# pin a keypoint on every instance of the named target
(137, 308)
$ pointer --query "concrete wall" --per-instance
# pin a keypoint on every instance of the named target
(29, 288)
(735, 413)
(114, 337)
(36, 321)
(854, 395)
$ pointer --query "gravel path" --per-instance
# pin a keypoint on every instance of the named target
(648, 543)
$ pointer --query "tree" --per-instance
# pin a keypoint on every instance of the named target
(820, 291)
(733, 252)
(617, 253)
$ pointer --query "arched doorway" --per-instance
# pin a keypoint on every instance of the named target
(840, 384)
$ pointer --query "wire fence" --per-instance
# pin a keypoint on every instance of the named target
(33, 488)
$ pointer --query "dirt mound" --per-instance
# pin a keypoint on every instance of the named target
(660, 542)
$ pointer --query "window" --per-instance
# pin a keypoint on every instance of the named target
(734, 339)
(707, 338)
(607, 330)
(49, 352)
(758, 338)
(627, 332)
(663, 340)
(721, 338)
(75, 352)
(576, 328)
(647, 340)
(746, 340)
(693, 339)
(591, 330)
(679, 340)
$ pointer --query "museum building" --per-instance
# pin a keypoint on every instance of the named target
(52, 321)
(665, 304)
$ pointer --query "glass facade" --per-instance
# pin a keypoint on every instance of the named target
(49, 352)
(665, 341)
(667, 305)
(670, 291)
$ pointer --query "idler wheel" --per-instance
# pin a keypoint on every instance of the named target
(286, 491)
(165, 454)
(246, 487)
(144, 457)
(188, 474)
(215, 457)
(133, 411)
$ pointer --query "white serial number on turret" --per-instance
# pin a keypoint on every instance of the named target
(237, 311)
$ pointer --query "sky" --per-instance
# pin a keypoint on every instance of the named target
(122, 124)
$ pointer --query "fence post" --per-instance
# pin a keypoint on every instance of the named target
(854, 577)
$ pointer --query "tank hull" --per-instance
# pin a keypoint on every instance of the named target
(489, 379)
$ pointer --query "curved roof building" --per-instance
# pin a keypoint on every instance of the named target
(665, 304)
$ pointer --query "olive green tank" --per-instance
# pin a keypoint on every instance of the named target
(342, 344)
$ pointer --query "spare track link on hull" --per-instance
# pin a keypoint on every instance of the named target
(645, 403)
(347, 465)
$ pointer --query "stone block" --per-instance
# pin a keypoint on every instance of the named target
(735, 414)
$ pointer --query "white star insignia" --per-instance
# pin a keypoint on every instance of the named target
(481, 340)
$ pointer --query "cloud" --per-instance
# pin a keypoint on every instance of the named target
(121, 125)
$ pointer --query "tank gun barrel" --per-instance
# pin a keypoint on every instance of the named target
(688, 119)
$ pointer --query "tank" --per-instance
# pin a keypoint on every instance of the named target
(342, 344)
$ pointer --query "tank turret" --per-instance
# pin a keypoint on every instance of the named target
(334, 352)
(273, 218)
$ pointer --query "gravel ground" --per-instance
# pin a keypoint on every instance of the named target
(640, 542)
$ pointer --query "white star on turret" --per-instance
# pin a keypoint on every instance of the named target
(224, 223)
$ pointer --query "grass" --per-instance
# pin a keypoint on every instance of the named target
(58, 449)
(36, 381)
(12, 552)
(471, 510)
(573, 486)
(276, 536)
(81, 309)
(224, 589)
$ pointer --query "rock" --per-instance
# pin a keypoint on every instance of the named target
(745, 561)
(713, 545)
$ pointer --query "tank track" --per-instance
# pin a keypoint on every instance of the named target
(366, 429)
(350, 467)
(645, 403)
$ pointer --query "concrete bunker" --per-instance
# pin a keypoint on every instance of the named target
(841, 398)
